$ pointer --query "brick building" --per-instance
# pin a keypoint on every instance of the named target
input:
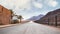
(5, 15)
(51, 18)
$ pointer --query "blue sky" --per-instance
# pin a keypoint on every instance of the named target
(29, 8)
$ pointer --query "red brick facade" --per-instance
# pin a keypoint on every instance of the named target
(5, 15)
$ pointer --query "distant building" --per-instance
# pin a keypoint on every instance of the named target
(5, 15)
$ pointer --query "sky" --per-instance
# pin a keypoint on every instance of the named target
(29, 8)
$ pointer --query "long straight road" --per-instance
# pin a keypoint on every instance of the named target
(29, 28)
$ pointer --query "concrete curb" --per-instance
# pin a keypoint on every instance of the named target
(58, 28)
(4, 26)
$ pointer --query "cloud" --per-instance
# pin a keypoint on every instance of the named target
(15, 3)
(38, 5)
(27, 7)
(22, 3)
(51, 3)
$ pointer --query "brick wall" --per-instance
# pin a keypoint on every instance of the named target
(5, 15)
(51, 16)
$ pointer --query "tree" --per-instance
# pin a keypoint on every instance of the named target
(20, 18)
(12, 13)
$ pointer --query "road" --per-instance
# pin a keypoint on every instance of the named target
(29, 28)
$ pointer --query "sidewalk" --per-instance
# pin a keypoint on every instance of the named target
(9, 25)
(57, 27)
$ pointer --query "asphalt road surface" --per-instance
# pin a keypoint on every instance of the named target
(29, 28)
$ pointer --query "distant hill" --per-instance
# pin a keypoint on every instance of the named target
(34, 18)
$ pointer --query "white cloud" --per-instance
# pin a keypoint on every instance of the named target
(38, 5)
(7, 3)
(15, 3)
(20, 5)
(52, 3)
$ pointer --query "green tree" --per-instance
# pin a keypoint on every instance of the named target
(20, 18)
(12, 13)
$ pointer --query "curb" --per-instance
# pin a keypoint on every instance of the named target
(4, 26)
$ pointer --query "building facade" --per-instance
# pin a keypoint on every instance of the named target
(51, 18)
(5, 15)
